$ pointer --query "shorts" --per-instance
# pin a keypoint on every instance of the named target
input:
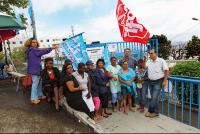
(124, 91)
(96, 101)
(116, 97)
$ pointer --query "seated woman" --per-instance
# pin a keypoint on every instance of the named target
(50, 81)
(128, 86)
(73, 91)
(84, 81)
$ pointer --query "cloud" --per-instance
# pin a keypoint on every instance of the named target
(102, 28)
(52, 6)
(172, 18)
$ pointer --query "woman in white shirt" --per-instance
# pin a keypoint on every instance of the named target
(84, 82)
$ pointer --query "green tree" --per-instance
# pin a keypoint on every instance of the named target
(193, 48)
(1, 56)
(164, 46)
(7, 6)
(19, 57)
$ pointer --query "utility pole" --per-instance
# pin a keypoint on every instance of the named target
(72, 28)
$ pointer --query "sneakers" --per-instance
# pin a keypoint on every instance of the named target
(35, 102)
(147, 114)
(152, 115)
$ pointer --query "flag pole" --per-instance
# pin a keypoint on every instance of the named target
(34, 24)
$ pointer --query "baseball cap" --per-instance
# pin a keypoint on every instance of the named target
(89, 62)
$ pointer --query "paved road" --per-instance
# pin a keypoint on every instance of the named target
(17, 115)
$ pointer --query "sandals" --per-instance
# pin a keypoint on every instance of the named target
(105, 116)
(125, 113)
(98, 117)
(35, 102)
(132, 109)
(108, 113)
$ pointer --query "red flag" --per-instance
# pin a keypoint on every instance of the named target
(130, 29)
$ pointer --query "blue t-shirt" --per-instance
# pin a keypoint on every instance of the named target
(128, 76)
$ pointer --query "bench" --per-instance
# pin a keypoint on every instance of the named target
(18, 76)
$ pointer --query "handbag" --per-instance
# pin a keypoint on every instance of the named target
(27, 81)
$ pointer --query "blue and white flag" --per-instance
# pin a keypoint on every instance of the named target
(30, 10)
(75, 50)
(106, 56)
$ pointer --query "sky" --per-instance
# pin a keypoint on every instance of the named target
(97, 18)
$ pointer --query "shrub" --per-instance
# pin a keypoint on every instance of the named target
(188, 69)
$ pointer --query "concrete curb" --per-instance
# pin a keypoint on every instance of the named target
(82, 117)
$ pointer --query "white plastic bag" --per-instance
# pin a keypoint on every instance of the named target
(149, 94)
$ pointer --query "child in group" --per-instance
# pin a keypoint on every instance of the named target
(142, 84)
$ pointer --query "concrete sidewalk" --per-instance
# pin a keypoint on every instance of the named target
(136, 122)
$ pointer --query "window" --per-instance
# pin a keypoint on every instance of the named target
(8, 42)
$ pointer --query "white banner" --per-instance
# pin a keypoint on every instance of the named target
(112, 47)
(95, 53)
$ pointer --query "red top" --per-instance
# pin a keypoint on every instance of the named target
(51, 75)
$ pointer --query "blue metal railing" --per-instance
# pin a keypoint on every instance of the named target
(182, 94)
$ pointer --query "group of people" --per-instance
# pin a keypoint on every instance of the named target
(89, 88)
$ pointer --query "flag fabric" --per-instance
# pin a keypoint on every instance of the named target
(106, 55)
(130, 29)
(75, 50)
(30, 10)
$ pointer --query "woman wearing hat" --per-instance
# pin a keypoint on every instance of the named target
(34, 54)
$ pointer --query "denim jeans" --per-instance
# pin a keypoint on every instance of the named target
(116, 97)
(36, 89)
(142, 93)
(155, 88)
